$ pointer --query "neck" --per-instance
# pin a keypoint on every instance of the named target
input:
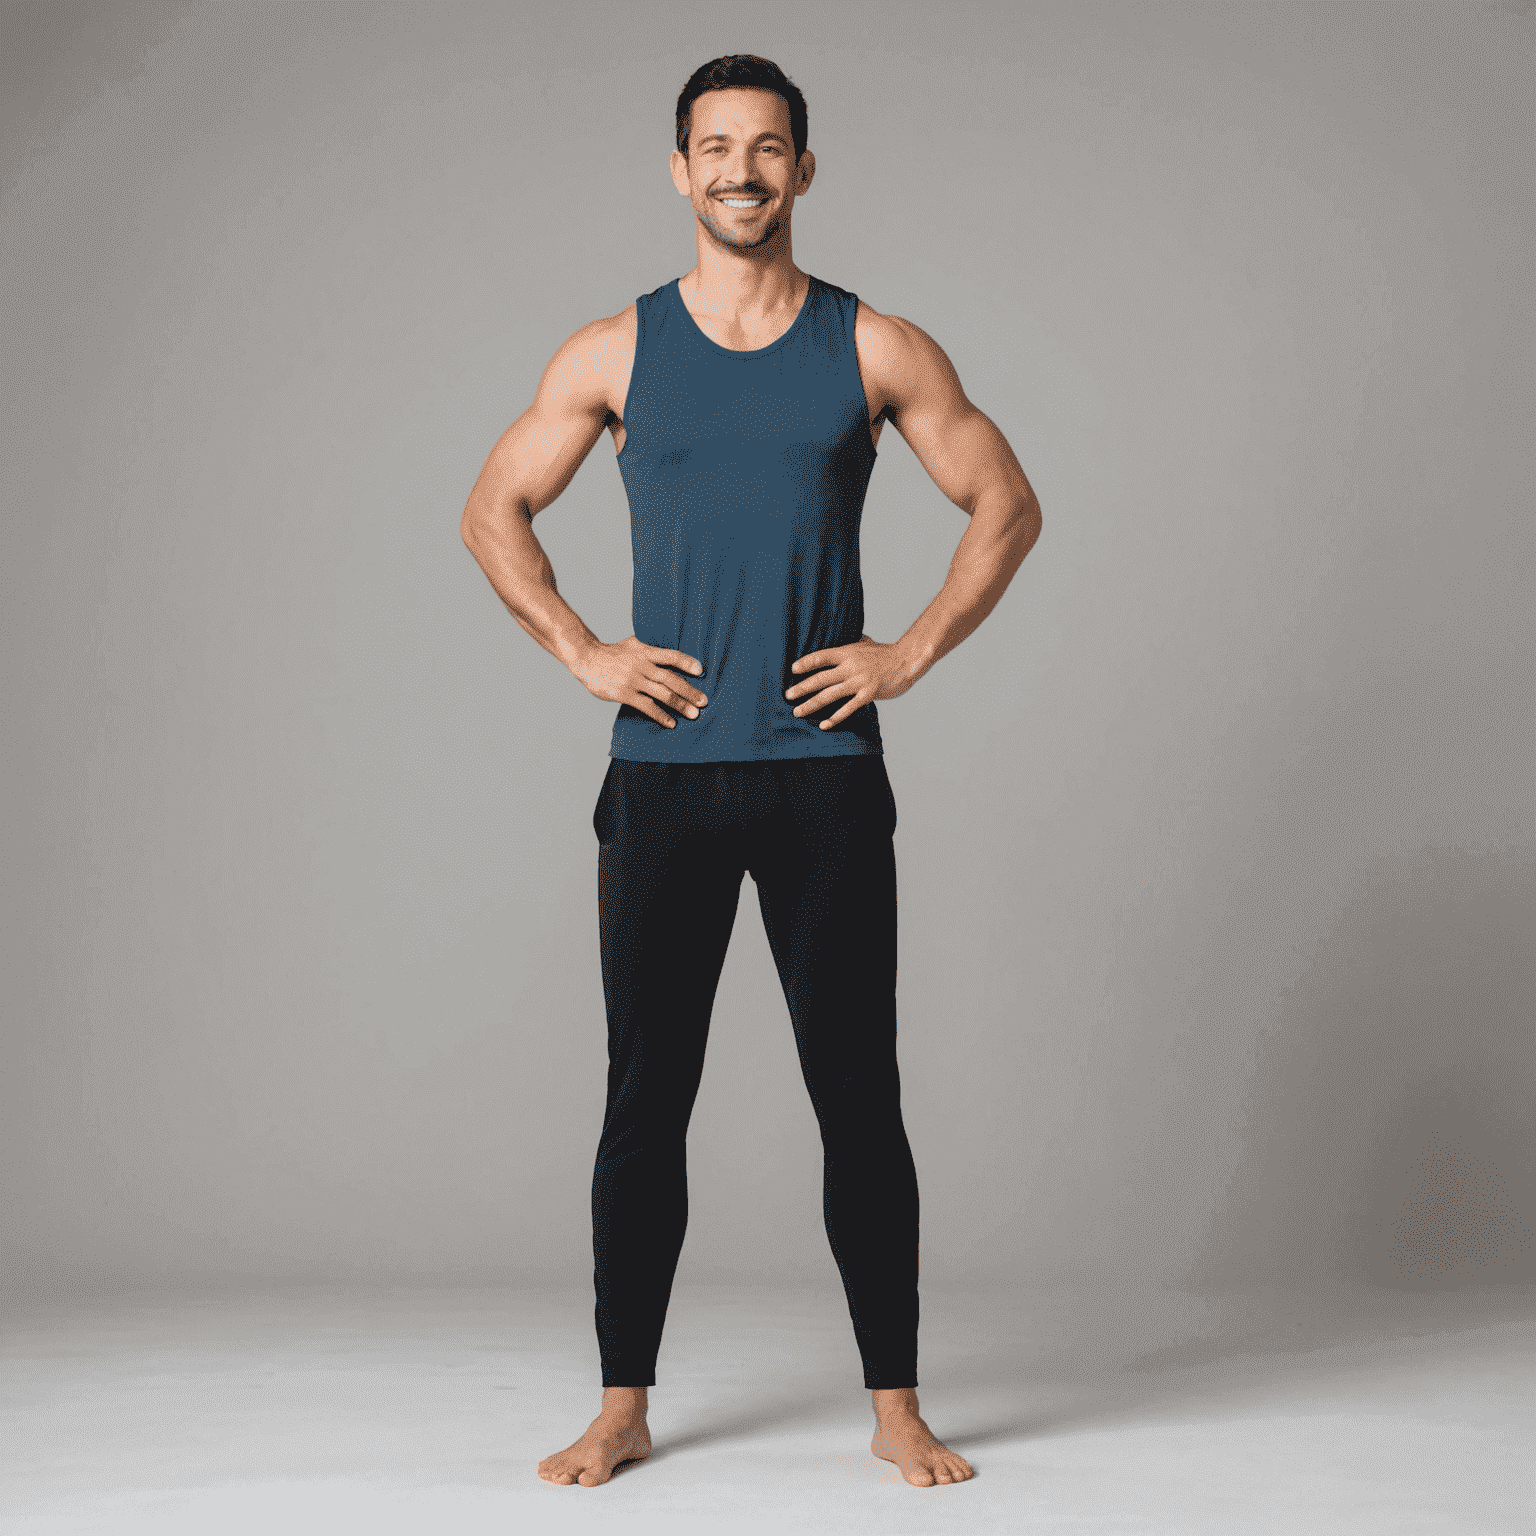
(735, 284)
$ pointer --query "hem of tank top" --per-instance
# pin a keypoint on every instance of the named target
(788, 757)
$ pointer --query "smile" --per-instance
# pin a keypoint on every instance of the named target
(743, 202)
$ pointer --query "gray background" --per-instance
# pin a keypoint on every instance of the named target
(1215, 841)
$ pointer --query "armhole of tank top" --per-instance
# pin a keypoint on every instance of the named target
(850, 330)
(634, 372)
(851, 323)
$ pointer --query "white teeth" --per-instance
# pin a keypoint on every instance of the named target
(736, 202)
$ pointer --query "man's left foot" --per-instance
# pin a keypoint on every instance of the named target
(924, 1459)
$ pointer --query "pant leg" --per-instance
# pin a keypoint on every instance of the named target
(669, 875)
(825, 868)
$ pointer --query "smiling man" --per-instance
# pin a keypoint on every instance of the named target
(745, 400)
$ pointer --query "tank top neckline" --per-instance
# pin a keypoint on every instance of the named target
(709, 341)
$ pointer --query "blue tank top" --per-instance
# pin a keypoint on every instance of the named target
(746, 473)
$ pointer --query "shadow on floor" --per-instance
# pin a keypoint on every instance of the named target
(1256, 1357)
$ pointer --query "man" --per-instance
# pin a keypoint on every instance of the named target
(745, 401)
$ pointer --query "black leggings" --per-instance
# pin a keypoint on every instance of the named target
(816, 836)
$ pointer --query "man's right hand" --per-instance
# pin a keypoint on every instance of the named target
(634, 673)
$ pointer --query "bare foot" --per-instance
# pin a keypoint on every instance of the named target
(610, 1439)
(924, 1459)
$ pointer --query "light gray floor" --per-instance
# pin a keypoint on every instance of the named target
(298, 1410)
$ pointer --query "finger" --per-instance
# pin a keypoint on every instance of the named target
(814, 660)
(665, 690)
(643, 703)
(858, 701)
(821, 680)
(820, 700)
(673, 690)
(653, 695)
(680, 659)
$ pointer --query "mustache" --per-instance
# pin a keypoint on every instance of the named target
(741, 192)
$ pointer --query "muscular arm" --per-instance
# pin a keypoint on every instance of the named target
(969, 459)
(534, 461)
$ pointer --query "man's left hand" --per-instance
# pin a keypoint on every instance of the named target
(859, 672)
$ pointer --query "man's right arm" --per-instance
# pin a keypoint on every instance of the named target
(535, 459)
(530, 466)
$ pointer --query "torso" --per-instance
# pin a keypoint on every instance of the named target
(623, 357)
(746, 486)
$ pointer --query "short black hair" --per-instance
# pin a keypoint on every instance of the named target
(741, 70)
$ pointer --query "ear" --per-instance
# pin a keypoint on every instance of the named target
(805, 171)
(680, 173)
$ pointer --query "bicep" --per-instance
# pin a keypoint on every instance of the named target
(538, 455)
(959, 445)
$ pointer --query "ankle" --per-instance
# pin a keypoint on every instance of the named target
(890, 1402)
(624, 1402)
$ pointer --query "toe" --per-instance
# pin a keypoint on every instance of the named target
(921, 1476)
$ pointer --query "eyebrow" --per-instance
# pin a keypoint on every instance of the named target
(766, 134)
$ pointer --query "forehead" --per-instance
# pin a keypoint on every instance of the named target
(740, 112)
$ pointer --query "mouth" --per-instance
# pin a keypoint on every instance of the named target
(743, 202)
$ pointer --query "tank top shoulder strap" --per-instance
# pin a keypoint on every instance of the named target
(647, 307)
(843, 305)
(650, 308)
(652, 305)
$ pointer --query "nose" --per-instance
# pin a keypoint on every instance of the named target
(737, 172)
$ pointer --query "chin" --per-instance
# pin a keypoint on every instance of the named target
(737, 244)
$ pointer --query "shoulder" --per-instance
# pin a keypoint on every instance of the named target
(600, 341)
(898, 357)
(593, 363)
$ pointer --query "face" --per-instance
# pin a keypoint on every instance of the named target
(740, 152)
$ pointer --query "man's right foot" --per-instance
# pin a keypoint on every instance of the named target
(611, 1438)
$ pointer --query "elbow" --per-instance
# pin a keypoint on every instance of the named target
(485, 521)
(1029, 520)
(475, 527)
(1024, 533)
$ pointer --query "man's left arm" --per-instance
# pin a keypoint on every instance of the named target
(970, 460)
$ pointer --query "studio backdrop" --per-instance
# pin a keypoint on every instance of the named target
(1215, 840)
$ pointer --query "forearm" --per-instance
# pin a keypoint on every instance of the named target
(517, 567)
(1000, 534)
